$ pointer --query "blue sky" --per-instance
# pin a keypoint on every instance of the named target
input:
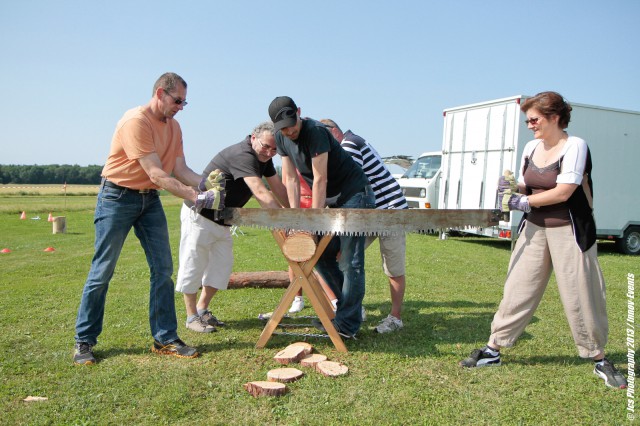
(384, 69)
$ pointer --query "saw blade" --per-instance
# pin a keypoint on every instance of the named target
(360, 221)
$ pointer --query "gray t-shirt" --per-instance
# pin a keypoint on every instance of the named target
(237, 162)
(343, 179)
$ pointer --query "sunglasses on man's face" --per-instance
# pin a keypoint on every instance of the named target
(177, 101)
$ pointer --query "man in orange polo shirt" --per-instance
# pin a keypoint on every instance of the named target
(146, 155)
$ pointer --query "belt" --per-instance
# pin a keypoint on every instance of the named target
(110, 184)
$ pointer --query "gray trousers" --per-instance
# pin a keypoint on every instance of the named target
(539, 251)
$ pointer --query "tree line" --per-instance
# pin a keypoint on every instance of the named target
(50, 174)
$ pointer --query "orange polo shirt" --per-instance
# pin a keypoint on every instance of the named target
(137, 135)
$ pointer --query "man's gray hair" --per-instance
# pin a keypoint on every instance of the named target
(168, 81)
(267, 126)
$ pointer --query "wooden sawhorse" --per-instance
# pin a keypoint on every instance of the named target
(305, 279)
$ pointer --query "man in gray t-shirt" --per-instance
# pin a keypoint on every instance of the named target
(307, 145)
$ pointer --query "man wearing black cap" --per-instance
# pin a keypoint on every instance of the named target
(308, 146)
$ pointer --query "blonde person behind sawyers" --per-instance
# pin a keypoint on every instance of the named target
(206, 245)
(388, 195)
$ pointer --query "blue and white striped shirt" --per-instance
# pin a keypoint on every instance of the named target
(386, 189)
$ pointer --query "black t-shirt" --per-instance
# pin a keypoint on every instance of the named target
(343, 178)
(237, 162)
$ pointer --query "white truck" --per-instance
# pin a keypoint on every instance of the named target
(482, 140)
(421, 182)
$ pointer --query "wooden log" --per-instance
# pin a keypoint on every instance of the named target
(60, 225)
(290, 354)
(308, 347)
(299, 246)
(284, 375)
(264, 388)
(331, 368)
(260, 279)
(312, 359)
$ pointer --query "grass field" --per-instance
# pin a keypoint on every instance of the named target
(410, 377)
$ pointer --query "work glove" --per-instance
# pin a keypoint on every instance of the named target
(215, 180)
(211, 199)
(515, 202)
(507, 183)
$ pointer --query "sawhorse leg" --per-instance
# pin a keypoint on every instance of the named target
(311, 288)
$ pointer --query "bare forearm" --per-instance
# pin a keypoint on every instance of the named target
(559, 194)
(319, 194)
(175, 187)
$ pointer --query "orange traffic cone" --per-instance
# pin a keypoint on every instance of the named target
(49, 249)
(23, 216)
(50, 218)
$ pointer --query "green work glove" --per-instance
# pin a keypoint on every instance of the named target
(507, 183)
(214, 181)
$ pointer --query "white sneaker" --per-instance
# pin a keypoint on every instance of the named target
(297, 305)
(199, 325)
(389, 324)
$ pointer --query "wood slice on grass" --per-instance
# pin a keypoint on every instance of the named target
(331, 368)
(290, 354)
(308, 347)
(299, 246)
(312, 359)
(262, 388)
(284, 375)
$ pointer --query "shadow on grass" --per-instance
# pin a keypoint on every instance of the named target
(511, 356)
(428, 325)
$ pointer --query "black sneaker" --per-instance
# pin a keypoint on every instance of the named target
(480, 358)
(83, 354)
(318, 324)
(611, 376)
(176, 348)
(210, 319)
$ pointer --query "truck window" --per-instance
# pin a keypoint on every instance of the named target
(424, 167)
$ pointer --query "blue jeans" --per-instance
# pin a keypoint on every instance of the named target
(346, 277)
(117, 210)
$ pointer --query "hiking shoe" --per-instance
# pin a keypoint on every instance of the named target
(610, 374)
(297, 305)
(389, 324)
(199, 325)
(481, 358)
(318, 324)
(176, 348)
(83, 354)
(210, 319)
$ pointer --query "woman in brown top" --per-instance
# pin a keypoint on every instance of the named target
(557, 234)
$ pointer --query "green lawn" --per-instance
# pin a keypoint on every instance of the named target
(410, 377)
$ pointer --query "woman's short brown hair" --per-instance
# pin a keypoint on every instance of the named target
(550, 103)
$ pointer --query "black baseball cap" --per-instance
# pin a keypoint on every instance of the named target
(283, 112)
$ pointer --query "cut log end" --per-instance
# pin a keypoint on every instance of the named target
(312, 360)
(262, 388)
(284, 375)
(299, 246)
(308, 347)
(290, 354)
(331, 368)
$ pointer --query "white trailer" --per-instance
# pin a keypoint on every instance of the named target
(482, 140)
(421, 182)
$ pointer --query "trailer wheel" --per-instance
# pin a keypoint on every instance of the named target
(630, 241)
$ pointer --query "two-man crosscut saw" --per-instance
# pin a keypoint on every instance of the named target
(360, 221)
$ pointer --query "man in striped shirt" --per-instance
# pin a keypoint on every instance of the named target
(388, 196)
